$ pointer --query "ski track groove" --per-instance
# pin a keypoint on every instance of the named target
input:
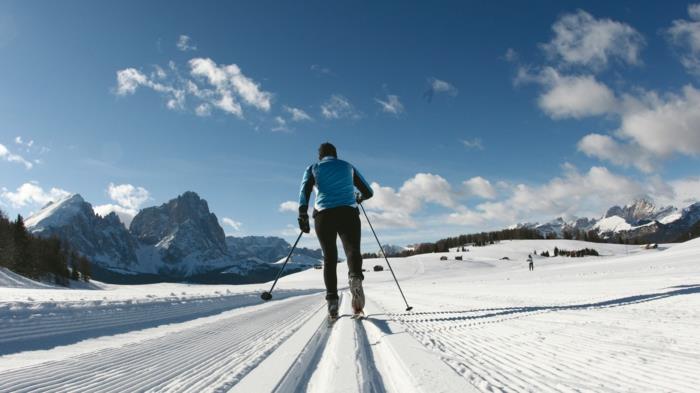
(205, 358)
(25, 328)
(497, 349)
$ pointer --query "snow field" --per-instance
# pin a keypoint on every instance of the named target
(626, 321)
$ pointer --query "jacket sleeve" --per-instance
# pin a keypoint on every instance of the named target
(361, 184)
(307, 185)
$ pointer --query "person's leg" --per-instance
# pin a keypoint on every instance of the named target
(349, 231)
(326, 233)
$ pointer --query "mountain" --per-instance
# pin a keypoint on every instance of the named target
(180, 240)
(181, 237)
(639, 221)
(104, 240)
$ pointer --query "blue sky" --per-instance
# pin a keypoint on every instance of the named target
(465, 116)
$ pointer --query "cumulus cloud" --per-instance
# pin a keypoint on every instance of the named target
(297, 114)
(289, 206)
(129, 200)
(338, 107)
(7, 155)
(606, 148)
(212, 86)
(567, 96)
(480, 187)
(684, 35)
(652, 127)
(128, 195)
(582, 40)
(235, 225)
(32, 194)
(395, 207)
(437, 86)
(125, 215)
(474, 143)
(573, 193)
(184, 43)
(392, 104)
(280, 125)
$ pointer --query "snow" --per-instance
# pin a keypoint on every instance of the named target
(612, 224)
(625, 321)
(55, 213)
(671, 218)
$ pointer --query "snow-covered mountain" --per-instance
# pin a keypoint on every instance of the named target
(640, 220)
(104, 239)
(178, 240)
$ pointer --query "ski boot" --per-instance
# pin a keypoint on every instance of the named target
(332, 309)
(358, 297)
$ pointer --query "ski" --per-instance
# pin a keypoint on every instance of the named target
(359, 315)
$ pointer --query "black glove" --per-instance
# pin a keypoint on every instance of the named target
(359, 198)
(304, 223)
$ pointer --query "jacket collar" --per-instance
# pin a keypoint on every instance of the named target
(328, 158)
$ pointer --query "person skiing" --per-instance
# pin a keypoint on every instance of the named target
(336, 214)
(531, 263)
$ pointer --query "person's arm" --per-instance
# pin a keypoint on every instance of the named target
(362, 185)
(307, 185)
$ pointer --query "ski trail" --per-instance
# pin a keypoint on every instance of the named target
(29, 326)
(562, 349)
(208, 358)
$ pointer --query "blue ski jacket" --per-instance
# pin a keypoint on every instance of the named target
(334, 181)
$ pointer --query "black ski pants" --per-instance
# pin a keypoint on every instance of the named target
(343, 221)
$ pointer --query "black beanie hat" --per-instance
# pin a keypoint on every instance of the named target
(325, 150)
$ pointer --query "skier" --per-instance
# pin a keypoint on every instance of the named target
(336, 214)
(531, 263)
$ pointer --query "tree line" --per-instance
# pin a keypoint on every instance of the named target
(45, 259)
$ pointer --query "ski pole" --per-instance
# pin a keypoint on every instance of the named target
(408, 308)
(267, 295)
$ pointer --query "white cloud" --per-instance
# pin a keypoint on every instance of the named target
(297, 114)
(203, 110)
(664, 126)
(338, 107)
(184, 43)
(480, 187)
(289, 206)
(582, 40)
(685, 36)
(127, 195)
(391, 104)
(573, 193)
(31, 194)
(236, 225)
(129, 200)
(570, 96)
(126, 215)
(128, 80)
(280, 125)
(607, 148)
(229, 80)
(474, 143)
(214, 86)
(437, 86)
(395, 208)
(7, 155)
